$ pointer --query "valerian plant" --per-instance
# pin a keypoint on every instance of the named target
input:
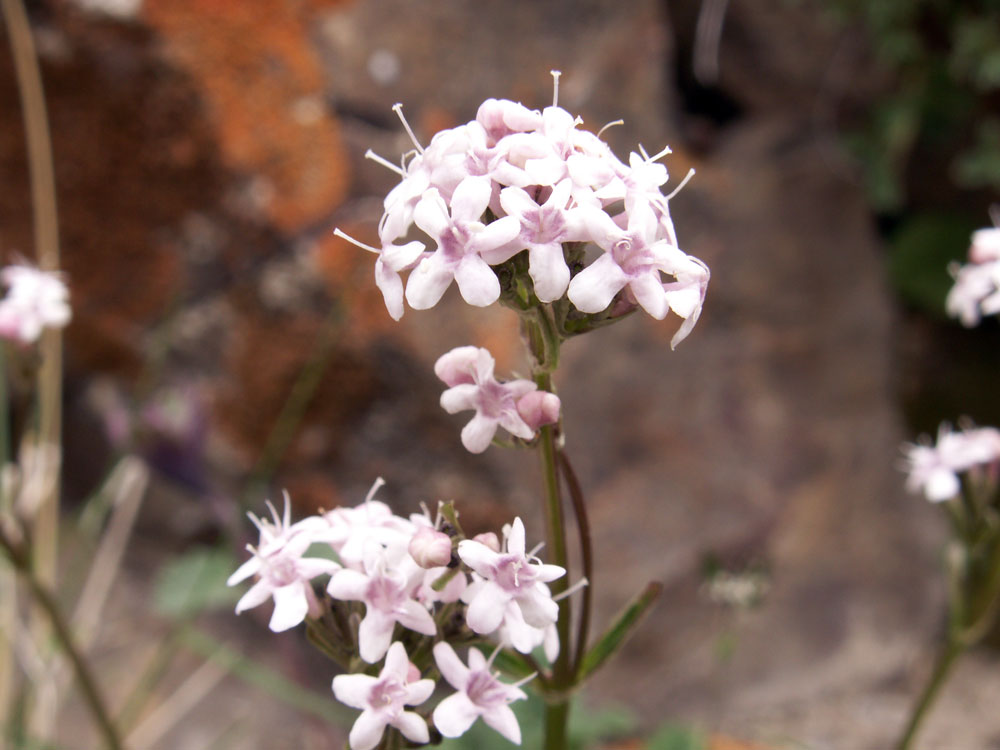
(527, 209)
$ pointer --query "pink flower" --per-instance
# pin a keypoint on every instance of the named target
(388, 587)
(35, 300)
(480, 694)
(382, 700)
(283, 574)
(469, 372)
(512, 590)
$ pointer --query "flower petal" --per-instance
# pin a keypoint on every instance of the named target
(353, 689)
(455, 714)
(290, 607)
(592, 289)
(476, 281)
(478, 433)
(367, 730)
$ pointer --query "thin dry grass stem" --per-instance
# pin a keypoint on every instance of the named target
(172, 710)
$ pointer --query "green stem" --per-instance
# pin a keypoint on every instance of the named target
(942, 667)
(544, 343)
(587, 558)
(44, 598)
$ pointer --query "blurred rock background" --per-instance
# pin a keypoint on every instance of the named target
(204, 152)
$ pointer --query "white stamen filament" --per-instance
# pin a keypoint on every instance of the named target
(489, 662)
(642, 152)
(369, 154)
(684, 182)
(555, 87)
(375, 488)
(609, 125)
(398, 109)
(356, 243)
(525, 680)
(666, 150)
(571, 590)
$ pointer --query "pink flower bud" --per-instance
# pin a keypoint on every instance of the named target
(412, 673)
(488, 539)
(539, 408)
(430, 548)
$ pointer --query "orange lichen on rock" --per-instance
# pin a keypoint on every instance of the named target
(263, 88)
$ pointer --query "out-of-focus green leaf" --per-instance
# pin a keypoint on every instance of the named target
(195, 582)
(921, 251)
(676, 737)
(615, 636)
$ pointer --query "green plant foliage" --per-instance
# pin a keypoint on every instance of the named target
(676, 737)
(920, 252)
(195, 582)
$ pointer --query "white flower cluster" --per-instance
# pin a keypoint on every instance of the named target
(515, 180)
(976, 292)
(405, 571)
(35, 300)
(935, 469)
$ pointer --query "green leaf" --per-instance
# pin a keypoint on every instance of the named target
(676, 737)
(615, 636)
(195, 582)
(921, 251)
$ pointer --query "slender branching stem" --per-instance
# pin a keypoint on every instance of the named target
(942, 668)
(47, 602)
(586, 554)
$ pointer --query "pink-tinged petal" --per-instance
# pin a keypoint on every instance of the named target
(648, 291)
(429, 281)
(413, 727)
(290, 607)
(401, 257)
(551, 643)
(477, 662)
(516, 201)
(602, 229)
(259, 593)
(459, 398)
(455, 714)
(516, 538)
(548, 271)
(431, 214)
(450, 666)
(478, 556)
(478, 433)
(485, 612)
(495, 243)
(396, 662)
(247, 569)
(547, 572)
(412, 615)
(348, 585)
(592, 290)
(310, 567)
(539, 610)
(353, 689)
(470, 199)
(520, 388)
(546, 171)
(502, 719)
(418, 692)
(367, 730)
(457, 366)
(512, 422)
(476, 281)
(374, 635)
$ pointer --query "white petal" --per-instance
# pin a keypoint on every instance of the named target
(431, 214)
(470, 199)
(349, 585)
(413, 727)
(455, 714)
(478, 433)
(648, 291)
(412, 615)
(476, 281)
(247, 569)
(290, 607)
(429, 281)
(485, 612)
(418, 692)
(516, 544)
(259, 593)
(592, 290)
(502, 719)
(459, 398)
(477, 556)
(495, 243)
(367, 730)
(548, 271)
(396, 662)
(450, 666)
(353, 689)
(374, 635)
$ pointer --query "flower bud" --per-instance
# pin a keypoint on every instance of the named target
(539, 408)
(489, 539)
(430, 548)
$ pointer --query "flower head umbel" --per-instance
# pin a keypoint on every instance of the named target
(515, 181)
(935, 469)
(468, 371)
(480, 694)
(283, 573)
(382, 700)
(35, 300)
